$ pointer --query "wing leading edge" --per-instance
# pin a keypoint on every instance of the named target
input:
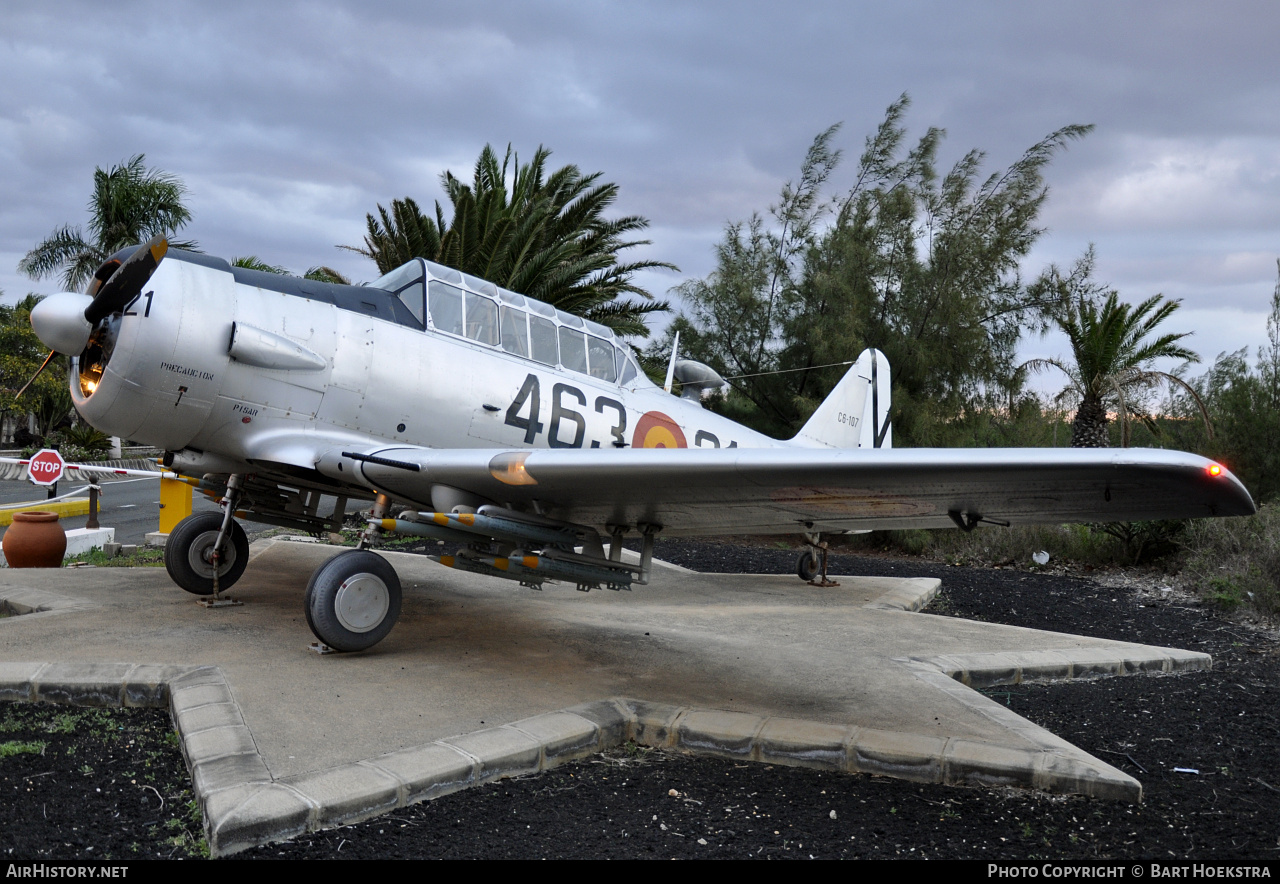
(776, 491)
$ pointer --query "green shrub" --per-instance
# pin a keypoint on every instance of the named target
(1236, 562)
(990, 545)
(87, 439)
(1144, 542)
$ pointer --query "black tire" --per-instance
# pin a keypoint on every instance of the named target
(808, 566)
(353, 600)
(187, 549)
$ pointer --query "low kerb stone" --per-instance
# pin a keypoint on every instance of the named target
(987, 670)
(147, 684)
(614, 719)
(726, 734)
(1098, 663)
(908, 594)
(907, 756)
(1185, 661)
(1080, 774)
(218, 742)
(184, 698)
(499, 752)
(973, 763)
(427, 772)
(654, 724)
(231, 771)
(803, 743)
(17, 681)
(195, 676)
(346, 794)
(246, 816)
(83, 684)
(202, 718)
(1042, 666)
(1167, 660)
(563, 736)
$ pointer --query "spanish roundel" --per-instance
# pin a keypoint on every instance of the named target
(656, 430)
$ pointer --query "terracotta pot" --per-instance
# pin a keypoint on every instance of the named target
(35, 540)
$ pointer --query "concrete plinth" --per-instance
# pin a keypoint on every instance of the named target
(482, 679)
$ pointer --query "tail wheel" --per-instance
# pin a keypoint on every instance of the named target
(353, 600)
(808, 565)
(188, 553)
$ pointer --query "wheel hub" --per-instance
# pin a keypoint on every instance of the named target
(361, 603)
(201, 557)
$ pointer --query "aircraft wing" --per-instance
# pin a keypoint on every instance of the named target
(787, 490)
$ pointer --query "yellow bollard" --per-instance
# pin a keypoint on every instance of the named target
(175, 503)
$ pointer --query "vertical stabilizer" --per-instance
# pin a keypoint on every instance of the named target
(856, 414)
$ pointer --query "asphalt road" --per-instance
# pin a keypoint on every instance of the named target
(131, 506)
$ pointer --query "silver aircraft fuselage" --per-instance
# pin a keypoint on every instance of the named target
(229, 376)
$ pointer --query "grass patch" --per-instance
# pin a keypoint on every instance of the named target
(145, 557)
(18, 747)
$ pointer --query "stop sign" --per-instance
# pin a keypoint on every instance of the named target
(45, 466)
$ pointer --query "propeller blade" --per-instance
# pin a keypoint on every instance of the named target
(43, 366)
(102, 274)
(127, 280)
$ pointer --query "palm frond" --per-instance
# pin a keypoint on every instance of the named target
(540, 233)
(1113, 343)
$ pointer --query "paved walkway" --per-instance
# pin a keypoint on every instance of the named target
(482, 678)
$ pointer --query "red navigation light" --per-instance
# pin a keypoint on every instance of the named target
(1214, 469)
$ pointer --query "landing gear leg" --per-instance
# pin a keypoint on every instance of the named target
(207, 551)
(229, 503)
(373, 530)
(811, 567)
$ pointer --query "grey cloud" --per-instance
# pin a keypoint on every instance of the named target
(290, 121)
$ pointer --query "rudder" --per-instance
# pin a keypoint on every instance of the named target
(856, 413)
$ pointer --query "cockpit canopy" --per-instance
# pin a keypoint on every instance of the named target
(445, 300)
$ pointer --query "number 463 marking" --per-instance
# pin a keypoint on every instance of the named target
(524, 410)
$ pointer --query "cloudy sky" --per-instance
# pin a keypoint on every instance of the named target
(289, 121)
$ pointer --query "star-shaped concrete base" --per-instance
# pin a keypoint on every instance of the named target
(483, 679)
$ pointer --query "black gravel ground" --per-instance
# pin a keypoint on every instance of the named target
(1202, 744)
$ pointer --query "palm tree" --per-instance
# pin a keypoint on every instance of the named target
(319, 273)
(541, 235)
(1113, 351)
(130, 205)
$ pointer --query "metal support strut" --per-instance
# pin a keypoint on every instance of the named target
(381, 505)
(229, 503)
(650, 531)
(616, 534)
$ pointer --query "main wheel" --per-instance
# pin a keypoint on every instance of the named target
(188, 553)
(807, 566)
(353, 600)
